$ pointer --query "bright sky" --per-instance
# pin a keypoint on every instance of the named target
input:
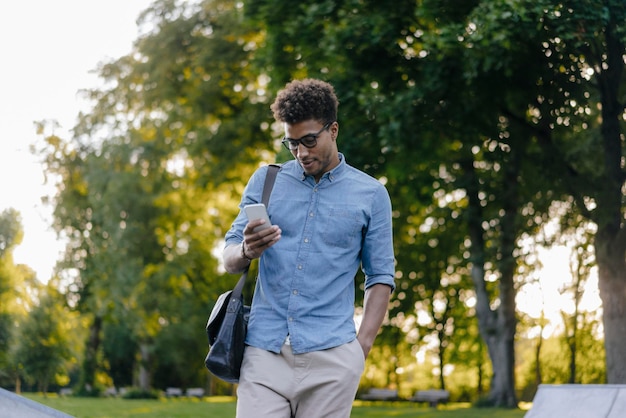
(48, 49)
(546, 292)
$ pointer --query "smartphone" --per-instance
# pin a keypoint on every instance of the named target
(258, 211)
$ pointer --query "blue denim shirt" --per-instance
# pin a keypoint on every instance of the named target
(305, 287)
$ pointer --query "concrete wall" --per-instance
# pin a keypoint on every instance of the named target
(16, 406)
(579, 401)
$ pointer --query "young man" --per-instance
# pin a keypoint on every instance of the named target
(303, 356)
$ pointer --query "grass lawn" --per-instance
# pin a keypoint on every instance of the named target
(217, 407)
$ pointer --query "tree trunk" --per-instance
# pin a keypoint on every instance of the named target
(479, 384)
(538, 377)
(572, 359)
(580, 278)
(90, 363)
(497, 326)
(144, 367)
(498, 331)
(610, 240)
(442, 380)
(396, 361)
(570, 336)
(612, 285)
(503, 348)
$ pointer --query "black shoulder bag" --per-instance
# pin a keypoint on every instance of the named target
(228, 322)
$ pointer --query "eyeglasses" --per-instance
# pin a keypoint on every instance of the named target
(309, 141)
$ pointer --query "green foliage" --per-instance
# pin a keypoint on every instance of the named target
(138, 393)
(150, 180)
(10, 237)
(43, 346)
(11, 231)
(181, 347)
(555, 366)
(119, 347)
(11, 234)
(6, 327)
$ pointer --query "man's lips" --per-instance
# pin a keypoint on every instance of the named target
(306, 163)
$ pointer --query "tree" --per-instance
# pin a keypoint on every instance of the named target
(587, 45)
(12, 289)
(574, 107)
(581, 263)
(11, 234)
(43, 347)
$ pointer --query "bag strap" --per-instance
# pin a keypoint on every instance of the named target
(270, 178)
(272, 170)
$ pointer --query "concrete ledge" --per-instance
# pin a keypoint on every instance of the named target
(16, 406)
(579, 401)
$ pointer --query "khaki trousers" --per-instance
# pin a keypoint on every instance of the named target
(317, 384)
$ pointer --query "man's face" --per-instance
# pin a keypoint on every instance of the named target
(320, 158)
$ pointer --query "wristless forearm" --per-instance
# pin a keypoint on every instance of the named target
(375, 308)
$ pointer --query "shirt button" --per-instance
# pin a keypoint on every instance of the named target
(306, 240)
(295, 292)
(299, 266)
(310, 214)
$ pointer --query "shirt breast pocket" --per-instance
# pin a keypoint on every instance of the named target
(341, 227)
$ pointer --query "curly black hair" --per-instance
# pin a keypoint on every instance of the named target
(302, 100)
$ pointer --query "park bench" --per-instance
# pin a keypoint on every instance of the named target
(380, 395)
(432, 396)
(173, 392)
(111, 391)
(195, 392)
(66, 392)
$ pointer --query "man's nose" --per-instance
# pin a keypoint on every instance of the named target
(301, 150)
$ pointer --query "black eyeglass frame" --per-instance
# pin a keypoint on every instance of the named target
(309, 140)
